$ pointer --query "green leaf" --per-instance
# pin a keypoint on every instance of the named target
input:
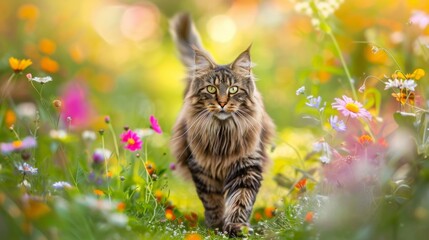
(405, 120)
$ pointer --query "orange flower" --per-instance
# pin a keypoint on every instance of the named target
(257, 216)
(47, 46)
(404, 97)
(158, 195)
(301, 184)
(193, 236)
(150, 167)
(28, 12)
(98, 192)
(365, 139)
(10, 118)
(120, 207)
(19, 65)
(269, 212)
(109, 174)
(309, 217)
(169, 214)
(49, 65)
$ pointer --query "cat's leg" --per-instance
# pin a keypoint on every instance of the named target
(241, 186)
(209, 190)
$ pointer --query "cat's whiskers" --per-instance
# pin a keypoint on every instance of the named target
(253, 118)
(252, 125)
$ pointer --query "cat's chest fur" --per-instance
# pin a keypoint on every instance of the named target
(215, 145)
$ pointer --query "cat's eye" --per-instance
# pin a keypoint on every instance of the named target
(211, 89)
(233, 90)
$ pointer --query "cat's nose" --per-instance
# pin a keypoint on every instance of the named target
(222, 104)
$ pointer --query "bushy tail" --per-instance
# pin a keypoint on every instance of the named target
(186, 37)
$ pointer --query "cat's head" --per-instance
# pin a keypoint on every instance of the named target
(222, 90)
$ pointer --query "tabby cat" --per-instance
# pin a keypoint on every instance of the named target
(220, 136)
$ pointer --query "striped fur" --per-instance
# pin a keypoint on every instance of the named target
(219, 138)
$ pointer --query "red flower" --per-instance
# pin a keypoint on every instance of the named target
(301, 184)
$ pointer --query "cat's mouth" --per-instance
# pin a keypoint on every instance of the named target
(222, 115)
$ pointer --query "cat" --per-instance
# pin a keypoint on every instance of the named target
(221, 133)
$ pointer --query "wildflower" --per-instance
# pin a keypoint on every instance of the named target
(193, 236)
(28, 12)
(26, 143)
(301, 184)
(133, 142)
(416, 75)
(61, 185)
(26, 168)
(121, 206)
(154, 124)
(9, 118)
(395, 83)
(100, 155)
(300, 90)
(324, 159)
(420, 18)
(98, 192)
(107, 119)
(409, 85)
(269, 212)
(337, 125)
(313, 102)
(47, 46)
(309, 217)
(158, 195)
(49, 65)
(404, 97)
(76, 104)
(59, 134)
(350, 108)
(19, 65)
(41, 80)
(257, 216)
(89, 135)
(169, 214)
(172, 166)
(365, 139)
(150, 167)
(57, 104)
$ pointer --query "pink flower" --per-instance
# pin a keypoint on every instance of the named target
(350, 108)
(76, 105)
(154, 125)
(132, 140)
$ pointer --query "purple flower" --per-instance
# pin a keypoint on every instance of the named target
(350, 108)
(28, 142)
(61, 185)
(313, 102)
(132, 140)
(26, 168)
(337, 125)
(154, 125)
(420, 18)
(100, 155)
(172, 166)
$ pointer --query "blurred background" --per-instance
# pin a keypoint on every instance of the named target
(120, 58)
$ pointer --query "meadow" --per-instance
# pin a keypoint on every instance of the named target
(90, 90)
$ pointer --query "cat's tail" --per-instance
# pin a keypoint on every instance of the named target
(186, 38)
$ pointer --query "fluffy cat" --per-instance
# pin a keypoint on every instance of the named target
(220, 136)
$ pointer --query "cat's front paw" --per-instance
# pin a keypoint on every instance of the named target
(237, 229)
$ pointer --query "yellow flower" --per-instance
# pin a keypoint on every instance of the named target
(416, 75)
(49, 65)
(19, 65)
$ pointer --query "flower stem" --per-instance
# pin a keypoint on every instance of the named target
(343, 62)
(105, 164)
(112, 131)
(6, 86)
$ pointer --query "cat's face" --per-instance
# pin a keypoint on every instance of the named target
(223, 91)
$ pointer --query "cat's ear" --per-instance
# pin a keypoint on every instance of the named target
(203, 61)
(242, 64)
